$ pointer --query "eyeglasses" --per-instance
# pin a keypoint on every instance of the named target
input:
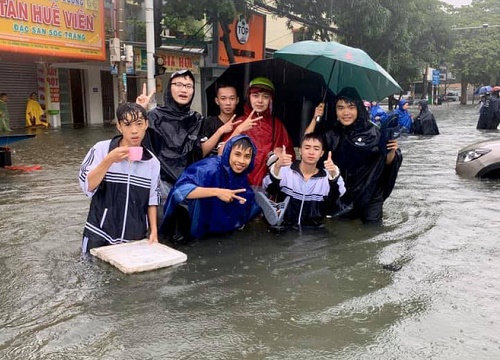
(180, 85)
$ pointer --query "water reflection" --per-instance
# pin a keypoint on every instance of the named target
(315, 295)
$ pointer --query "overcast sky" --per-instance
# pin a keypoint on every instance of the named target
(458, 2)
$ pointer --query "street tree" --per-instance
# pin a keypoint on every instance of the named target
(402, 36)
(221, 12)
(474, 55)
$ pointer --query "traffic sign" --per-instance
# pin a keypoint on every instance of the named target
(435, 77)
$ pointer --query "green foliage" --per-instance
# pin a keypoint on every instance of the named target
(475, 55)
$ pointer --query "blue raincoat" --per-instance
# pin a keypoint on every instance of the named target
(212, 215)
(404, 116)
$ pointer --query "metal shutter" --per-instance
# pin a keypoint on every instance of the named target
(18, 80)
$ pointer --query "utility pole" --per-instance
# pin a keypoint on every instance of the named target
(150, 47)
(122, 35)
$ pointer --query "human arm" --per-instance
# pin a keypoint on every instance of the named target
(226, 195)
(213, 141)
(95, 176)
(318, 112)
(153, 226)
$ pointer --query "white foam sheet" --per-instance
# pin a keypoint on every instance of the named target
(139, 256)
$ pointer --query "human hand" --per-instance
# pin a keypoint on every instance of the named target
(145, 98)
(153, 238)
(248, 124)
(319, 111)
(228, 195)
(284, 159)
(392, 145)
(229, 126)
(330, 166)
(118, 154)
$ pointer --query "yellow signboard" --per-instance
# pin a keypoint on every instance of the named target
(63, 28)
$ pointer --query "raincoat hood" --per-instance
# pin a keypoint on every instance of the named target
(402, 103)
(212, 215)
(173, 133)
(424, 105)
(351, 95)
(227, 153)
(168, 99)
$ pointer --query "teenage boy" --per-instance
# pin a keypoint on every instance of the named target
(124, 193)
(214, 127)
(212, 195)
(174, 133)
(258, 122)
(306, 188)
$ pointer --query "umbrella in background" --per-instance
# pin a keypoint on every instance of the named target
(483, 90)
(298, 91)
(342, 66)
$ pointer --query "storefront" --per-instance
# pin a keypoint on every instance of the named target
(42, 49)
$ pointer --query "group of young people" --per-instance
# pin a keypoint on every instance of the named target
(212, 176)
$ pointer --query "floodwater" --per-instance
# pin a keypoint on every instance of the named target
(256, 295)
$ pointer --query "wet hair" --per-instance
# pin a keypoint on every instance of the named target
(3, 94)
(243, 144)
(131, 110)
(313, 136)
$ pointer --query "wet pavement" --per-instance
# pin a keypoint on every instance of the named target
(425, 285)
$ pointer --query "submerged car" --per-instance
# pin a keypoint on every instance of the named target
(481, 159)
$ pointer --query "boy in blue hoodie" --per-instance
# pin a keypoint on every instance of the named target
(215, 192)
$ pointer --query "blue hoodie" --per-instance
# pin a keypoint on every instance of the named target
(212, 215)
(404, 115)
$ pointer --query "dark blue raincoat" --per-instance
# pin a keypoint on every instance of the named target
(212, 215)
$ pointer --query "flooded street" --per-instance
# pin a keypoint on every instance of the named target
(255, 295)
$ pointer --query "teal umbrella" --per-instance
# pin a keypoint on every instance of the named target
(342, 66)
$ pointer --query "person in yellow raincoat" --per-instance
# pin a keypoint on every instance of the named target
(34, 112)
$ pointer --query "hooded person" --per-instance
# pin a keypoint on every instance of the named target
(489, 113)
(34, 112)
(425, 122)
(377, 114)
(174, 133)
(404, 116)
(368, 165)
(207, 189)
(266, 131)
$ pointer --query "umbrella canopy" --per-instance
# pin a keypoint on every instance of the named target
(483, 90)
(297, 91)
(342, 66)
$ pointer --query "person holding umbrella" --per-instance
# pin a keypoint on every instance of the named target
(368, 163)
(268, 133)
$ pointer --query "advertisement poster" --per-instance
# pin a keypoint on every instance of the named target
(62, 28)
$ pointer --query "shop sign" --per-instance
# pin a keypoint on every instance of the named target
(173, 62)
(65, 28)
(247, 38)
